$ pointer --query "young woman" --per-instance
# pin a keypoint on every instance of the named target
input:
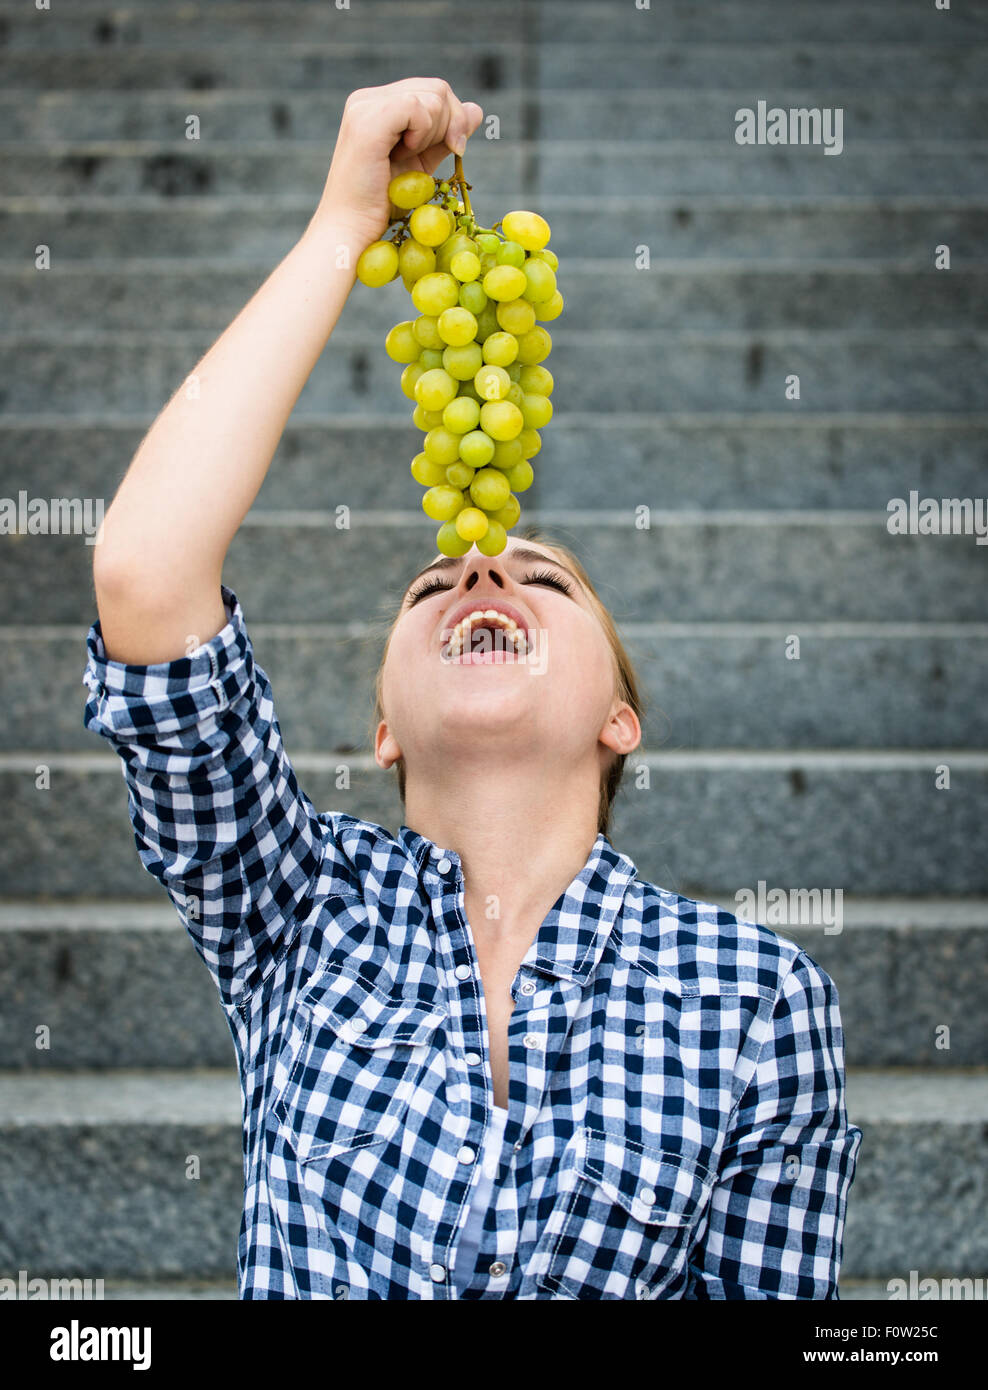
(480, 1058)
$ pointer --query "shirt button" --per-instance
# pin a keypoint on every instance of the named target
(437, 1273)
(498, 1269)
(532, 1041)
(444, 865)
(472, 1059)
(647, 1196)
(466, 1154)
(357, 1025)
(529, 987)
(463, 972)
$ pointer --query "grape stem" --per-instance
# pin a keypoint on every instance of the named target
(462, 184)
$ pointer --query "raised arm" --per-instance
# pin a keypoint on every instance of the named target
(158, 564)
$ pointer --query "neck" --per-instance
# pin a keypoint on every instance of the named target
(522, 834)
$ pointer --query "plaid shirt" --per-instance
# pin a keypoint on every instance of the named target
(676, 1123)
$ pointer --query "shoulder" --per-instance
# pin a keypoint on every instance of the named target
(706, 948)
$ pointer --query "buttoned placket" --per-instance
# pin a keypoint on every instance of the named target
(456, 959)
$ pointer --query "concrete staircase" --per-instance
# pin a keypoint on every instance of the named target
(767, 520)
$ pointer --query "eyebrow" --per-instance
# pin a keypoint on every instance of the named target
(520, 552)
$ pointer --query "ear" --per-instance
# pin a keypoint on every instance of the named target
(622, 732)
(386, 750)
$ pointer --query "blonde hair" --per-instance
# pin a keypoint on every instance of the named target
(625, 679)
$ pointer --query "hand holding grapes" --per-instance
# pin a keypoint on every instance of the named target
(410, 125)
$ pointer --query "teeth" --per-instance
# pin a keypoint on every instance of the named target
(461, 635)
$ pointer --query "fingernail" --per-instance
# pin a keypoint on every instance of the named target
(460, 145)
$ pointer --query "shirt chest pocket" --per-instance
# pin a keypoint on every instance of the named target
(624, 1222)
(350, 1064)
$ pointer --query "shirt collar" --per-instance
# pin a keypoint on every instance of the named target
(576, 928)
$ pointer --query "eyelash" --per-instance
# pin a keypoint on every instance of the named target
(434, 585)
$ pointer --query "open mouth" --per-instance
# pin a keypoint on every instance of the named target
(485, 637)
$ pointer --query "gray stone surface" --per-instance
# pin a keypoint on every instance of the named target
(121, 986)
(708, 685)
(773, 460)
(133, 372)
(118, 1203)
(676, 226)
(608, 295)
(870, 824)
(312, 114)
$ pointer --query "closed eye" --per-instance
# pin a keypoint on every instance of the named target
(435, 585)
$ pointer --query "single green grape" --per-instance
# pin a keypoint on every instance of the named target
(426, 330)
(409, 377)
(465, 265)
(411, 189)
(501, 420)
(504, 283)
(510, 253)
(430, 224)
(463, 363)
(533, 346)
(536, 411)
(531, 442)
(426, 472)
(442, 502)
(401, 344)
(435, 389)
(536, 381)
(456, 326)
(472, 297)
(431, 358)
(490, 489)
(550, 257)
(527, 228)
(449, 541)
(509, 513)
(514, 370)
(516, 316)
(488, 242)
(492, 382)
(507, 452)
(426, 420)
(494, 539)
(471, 524)
(378, 264)
(520, 477)
(461, 415)
(476, 448)
(486, 323)
(500, 349)
(551, 308)
(414, 261)
(460, 474)
(436, 292)
(541, 282)
(515, 395)
(442, 446)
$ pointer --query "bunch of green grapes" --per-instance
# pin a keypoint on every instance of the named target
(472, 357)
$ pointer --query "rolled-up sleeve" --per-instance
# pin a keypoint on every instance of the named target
(776, 1216)
(218, 816)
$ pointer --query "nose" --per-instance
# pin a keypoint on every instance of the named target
(483, 567)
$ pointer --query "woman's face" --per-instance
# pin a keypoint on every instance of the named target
(549, 692)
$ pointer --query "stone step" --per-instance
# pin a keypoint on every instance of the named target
(129, 371)
(687, 567)
(934, 63)
(871, 823)
(754, 228)
(707, 685)
(513, 172)
(117, 1202)
(120, 985)
(151, 24)
(692, 461)
(522, 113)
(611, 295)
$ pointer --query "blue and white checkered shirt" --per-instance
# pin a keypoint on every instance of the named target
(676, 1125)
